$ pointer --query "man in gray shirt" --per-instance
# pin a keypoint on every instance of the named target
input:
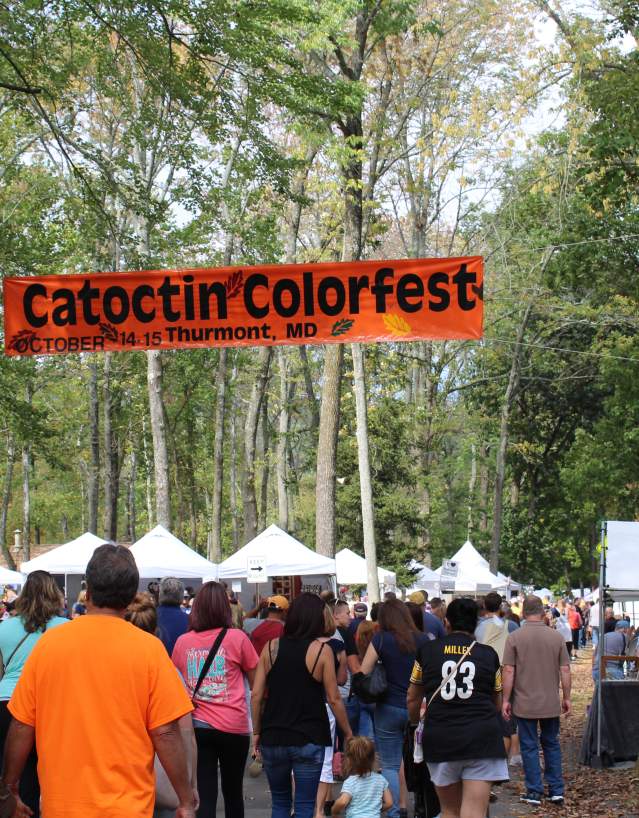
(614, 644)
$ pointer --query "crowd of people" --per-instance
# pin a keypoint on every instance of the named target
(129, 703)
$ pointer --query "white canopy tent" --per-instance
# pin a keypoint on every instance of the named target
(544, 593)
(473, 573)
(424, 580)
(161, 554)
(285, 556)
(351, 570)
(8, 577)
(70, 558)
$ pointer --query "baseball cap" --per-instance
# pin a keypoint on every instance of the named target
(360, 608)
(417, 597)
(622, 623)
(278, 602)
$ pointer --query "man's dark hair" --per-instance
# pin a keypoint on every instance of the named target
(462, 615)
(112, 577)
(492, 602)
(436, 603)
(389, 595)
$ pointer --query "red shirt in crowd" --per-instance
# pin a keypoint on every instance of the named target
(269, 629)
(574, 619)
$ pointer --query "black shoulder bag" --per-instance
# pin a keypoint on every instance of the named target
(209, 661)
(371, 687)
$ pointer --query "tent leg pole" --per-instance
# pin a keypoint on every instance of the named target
(600, 644)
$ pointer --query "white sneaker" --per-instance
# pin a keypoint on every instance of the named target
(515, 761)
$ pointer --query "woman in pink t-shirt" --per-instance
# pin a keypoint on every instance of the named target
(221, 717)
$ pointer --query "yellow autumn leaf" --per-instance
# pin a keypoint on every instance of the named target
(396, 324)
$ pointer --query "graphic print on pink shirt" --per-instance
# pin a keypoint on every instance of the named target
(221, 699)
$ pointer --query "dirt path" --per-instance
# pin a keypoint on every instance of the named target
(589, 793)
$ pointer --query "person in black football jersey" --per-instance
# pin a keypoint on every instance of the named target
(462, 740)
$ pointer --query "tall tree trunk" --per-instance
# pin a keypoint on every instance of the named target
(366, 486)
(93, 487)
(282, 442)
(215, 550)
(266, 469)
(111, 464)
(325, 530)
(26, 490)
(147, 480)
(483, 488)
(160, 447)
(249, 500)
(235, 523)
(472, 482)
(500, 466)
(313, 405)
(6, 499)
(131, 505)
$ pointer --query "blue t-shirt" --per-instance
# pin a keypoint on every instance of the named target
(172, 623)
(398, 665)
(433, 625)
(366, 793)
(11, 633)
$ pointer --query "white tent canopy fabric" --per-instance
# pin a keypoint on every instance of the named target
(544, 593)
(8, 577)
(469, 555)
(473, 573)
(284, 555)
(424, 580)
(351, 570)
(161, 554)
(70, 558)
(622, 565)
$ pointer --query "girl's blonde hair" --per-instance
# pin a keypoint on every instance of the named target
(359, 756)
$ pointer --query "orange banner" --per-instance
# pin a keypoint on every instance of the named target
(407, 300)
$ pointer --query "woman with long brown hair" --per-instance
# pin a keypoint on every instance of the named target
(37, 609)
(221, 718)
(395, 645)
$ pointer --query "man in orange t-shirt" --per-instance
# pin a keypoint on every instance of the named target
(99, 702)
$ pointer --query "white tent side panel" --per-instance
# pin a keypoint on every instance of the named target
(622, 559)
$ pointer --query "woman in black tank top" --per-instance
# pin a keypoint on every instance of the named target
(294, 679)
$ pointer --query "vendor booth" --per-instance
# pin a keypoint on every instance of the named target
(274, 562)
(67, 563)
(612, 729)
(351, 570)
(161, 554)
(425, 579)
(467, 572)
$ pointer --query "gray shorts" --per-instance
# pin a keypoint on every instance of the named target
(444, 773)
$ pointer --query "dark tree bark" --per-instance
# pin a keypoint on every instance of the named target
(93, 477)
(215, 550)
(6, 500)
(249, 500)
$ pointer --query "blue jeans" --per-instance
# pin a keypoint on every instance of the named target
(361, 717)
(305, 763)
(529, 741)
(390, 723)
(595, 637)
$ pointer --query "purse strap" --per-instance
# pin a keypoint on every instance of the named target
(451, 675)
(15, 650)
(209, 661)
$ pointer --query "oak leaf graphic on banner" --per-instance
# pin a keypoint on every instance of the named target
(342, 326)
(109, 331)
(234, 284)
(396, 324)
